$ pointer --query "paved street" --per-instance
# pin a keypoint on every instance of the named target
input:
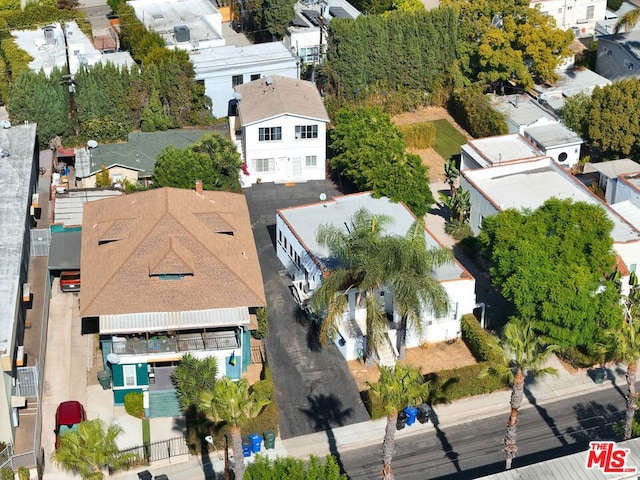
(314, 388)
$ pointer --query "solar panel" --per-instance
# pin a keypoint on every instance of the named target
(299, 22)
(338, 12)
(312, 16)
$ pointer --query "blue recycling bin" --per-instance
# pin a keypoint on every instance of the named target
(246, 447)
(412, 414)
(256, 442)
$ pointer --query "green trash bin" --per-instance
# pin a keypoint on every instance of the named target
(269, 439)
(104, 378)
(598, 375)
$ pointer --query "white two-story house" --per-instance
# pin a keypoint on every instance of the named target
(307, 262)
(280, 127)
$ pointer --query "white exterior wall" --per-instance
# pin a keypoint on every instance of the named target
(572, 151)
(218, 81)
(630, 255)
(481, 207)
(623, 191)
(289, 154)
(302, 42)
(573, 13)
(470, 159)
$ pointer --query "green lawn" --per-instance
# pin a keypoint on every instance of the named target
(448, 139)
(146, 431)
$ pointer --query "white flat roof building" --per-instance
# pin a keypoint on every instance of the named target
(498, 150)
(47, 47)
(186, 25)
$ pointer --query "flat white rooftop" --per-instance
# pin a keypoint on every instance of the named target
(521, 109)
(613, 168)
(339, 211)
(14, 201)
(528, 185)
(231, 57)
(553, 135)
(504, 148)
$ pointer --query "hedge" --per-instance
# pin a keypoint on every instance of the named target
(478, 340)
(134, 404)
(419, 135)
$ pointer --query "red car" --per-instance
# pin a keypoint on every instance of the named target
(68, 416)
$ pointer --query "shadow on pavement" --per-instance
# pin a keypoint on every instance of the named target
(596, 422)
(543, 413)
(447, 448)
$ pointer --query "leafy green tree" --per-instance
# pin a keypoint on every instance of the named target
(153, 116)
(396, 389)
(370, 152)
(231, 402)
(367, 261)
(89, 449)
(214, 160)
(192, 376)
(522, 351)
(473, 111)
(628, 20)
(508, 40)
(551, 263)
(408, 5)
(277, 15)
(103, 177)
(575, 113)
(263, 468)
(451, 174)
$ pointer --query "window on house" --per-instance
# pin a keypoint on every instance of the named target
(129, 375)
(306, 131)
(310, 161)
(268, 134)
(263, 165)
(628, 64)
(590, 10)
(285, 243)
(255, 76)
(237, 80)
(569, 7)
(280, 236)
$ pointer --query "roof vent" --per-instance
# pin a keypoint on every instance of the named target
(5, 124)
(268, 80)
(4, 153)
(49, 35)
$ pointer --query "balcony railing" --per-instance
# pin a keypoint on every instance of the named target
(179, 343)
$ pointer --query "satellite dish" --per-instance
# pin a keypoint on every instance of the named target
(92, 144)
(5, 124)
(323, 197)
(209, 439)
(113, 358)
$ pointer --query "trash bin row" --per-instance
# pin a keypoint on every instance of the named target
(252, 443)
(409, 415)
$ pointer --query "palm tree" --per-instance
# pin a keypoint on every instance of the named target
(191, 377)
(521, 351)
(451, 174)
(628, 20)
(396, 389)
(366, 262)
(89, 449)
(231, 402)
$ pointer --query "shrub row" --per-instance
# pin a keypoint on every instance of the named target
(479, 342)
(419, 135)
(134, 404)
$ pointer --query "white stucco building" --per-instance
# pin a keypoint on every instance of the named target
(281, 130)
(307, 262)
(579, 15)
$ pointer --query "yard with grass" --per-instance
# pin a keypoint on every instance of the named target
(448, 139)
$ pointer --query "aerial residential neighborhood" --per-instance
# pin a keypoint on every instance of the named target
(346, 239)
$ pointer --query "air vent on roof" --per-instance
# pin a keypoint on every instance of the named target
(4, 153)
(5, 124)
(182, 33)
(268, 80)
(49, 35)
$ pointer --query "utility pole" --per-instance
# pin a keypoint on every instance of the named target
(67, 80)
(321, 22)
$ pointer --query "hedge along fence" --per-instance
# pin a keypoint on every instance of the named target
(457, 383)
(419, 135)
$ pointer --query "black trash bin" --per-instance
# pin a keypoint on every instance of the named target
(246, 446)
(104, 378)
(402, 420)
(269, 439)
(423, 413)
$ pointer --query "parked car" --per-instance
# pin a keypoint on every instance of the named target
(68, 415)
(70, 281)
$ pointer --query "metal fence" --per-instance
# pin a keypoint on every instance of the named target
(40, 242)
(161, 450)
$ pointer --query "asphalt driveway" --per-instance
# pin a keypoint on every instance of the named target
(314, 388)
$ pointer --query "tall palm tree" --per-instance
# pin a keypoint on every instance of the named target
(628, 20)
(89, 449)
(397, 388)
(231, 402)
(521, 351)
(191, 377)
(367, 261)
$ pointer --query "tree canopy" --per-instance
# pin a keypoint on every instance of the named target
(552, 264)
(264, 468)
(214, 160)
(370, 152)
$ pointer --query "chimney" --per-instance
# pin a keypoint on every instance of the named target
(199, 187)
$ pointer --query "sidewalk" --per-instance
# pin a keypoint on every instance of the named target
(545, 390)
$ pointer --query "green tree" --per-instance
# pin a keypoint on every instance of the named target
(277, 15)
(473, 111)
(368, 260)
(552, 263)
(192, 376)
(89, 449)
(103, 177)
(263, 468)
(628, 20)
(575, 113)
(522, 352)
(397, 388)
(214, 160)
(231, 402)
(370, 152)
(451, 174)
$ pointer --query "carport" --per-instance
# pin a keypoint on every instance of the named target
(64, 252)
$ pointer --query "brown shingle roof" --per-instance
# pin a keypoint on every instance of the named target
(174, 233)
(272, 96)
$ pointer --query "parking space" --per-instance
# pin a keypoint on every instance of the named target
(314, 388)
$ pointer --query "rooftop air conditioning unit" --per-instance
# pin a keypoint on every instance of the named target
(182, 33)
